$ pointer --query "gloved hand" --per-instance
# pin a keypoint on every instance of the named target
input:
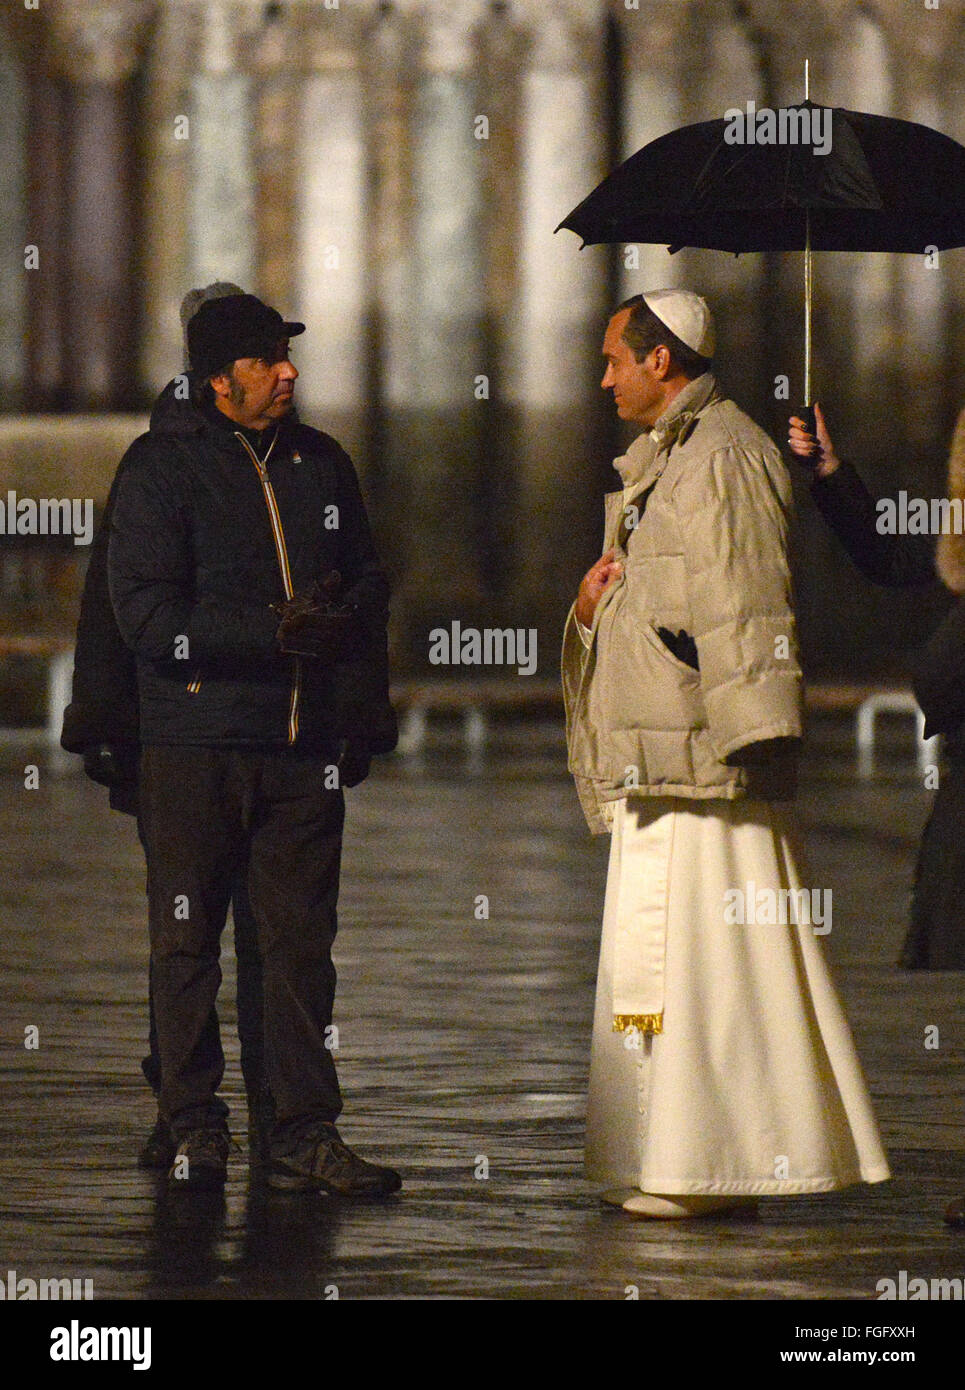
(314, 624)
(112, 765)
(353, 761)
(681, 644)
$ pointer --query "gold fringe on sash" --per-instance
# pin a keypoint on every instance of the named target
(643, 1023)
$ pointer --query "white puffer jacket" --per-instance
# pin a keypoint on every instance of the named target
(701, 531)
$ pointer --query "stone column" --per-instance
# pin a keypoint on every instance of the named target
(448, 166)
(442, 574)
(552, 349)
(953, 123)
(46, 229)
(330, 228)
(921, 81)
(168, 132)
(13, 226)
(273, 53)
(222, 193)
(862, 291)
(97, 47)
(502, 65)
(747, 363)
(389, 58)
(656, 41)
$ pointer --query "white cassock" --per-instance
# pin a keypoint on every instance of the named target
(753, 1085)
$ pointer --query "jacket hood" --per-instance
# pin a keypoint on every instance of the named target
(173, 413)
(950, 549)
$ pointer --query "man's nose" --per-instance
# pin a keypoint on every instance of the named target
(287, 371)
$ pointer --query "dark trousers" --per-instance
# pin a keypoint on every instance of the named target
(250, 1004)
(936, 936)
(209, 816)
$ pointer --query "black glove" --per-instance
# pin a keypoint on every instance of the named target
(315, 625)
(112, 765)
(681, 644)
(353, 761)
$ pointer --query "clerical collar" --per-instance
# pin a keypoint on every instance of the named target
(675, 420)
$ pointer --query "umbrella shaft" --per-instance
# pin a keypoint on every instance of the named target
(807, 312)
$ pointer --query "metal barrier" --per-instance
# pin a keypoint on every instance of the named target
(891, 702)
(476, 701)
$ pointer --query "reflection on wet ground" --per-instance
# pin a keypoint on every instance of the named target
(459, 1039)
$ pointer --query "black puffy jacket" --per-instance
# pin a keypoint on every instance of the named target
(204, 539)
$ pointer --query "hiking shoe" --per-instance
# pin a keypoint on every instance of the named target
(159, 1147)
(321, 1161)
(201, 1160)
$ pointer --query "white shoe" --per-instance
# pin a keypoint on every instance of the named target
(648, 1204)
(616, 1196)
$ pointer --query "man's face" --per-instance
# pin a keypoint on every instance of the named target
(639, 394)
(257, 390)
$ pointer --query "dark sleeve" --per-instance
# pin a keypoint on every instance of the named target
(150, 573)
(899, 561)
(103, 707)
(938, 674)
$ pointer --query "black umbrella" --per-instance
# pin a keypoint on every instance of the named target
(882, 185)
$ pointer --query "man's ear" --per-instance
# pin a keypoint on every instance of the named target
(221, 385)
(662, 362)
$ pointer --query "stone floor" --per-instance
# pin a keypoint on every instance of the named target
(460, 1040)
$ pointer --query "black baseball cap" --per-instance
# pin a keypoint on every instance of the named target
(237, 325)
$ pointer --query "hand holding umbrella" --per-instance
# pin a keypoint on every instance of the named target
(813, 447)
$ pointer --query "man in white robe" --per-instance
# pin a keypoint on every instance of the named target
(722, 1065)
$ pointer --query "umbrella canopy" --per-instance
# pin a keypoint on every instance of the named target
(882, 185)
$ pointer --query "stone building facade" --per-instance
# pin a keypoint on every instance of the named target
(391, 171)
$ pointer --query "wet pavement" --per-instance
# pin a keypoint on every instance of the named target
(463, 1053)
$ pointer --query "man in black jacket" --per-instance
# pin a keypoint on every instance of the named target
(244, 578)
(101, 724)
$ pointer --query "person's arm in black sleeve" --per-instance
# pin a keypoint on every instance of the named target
(152, 583)
(103, 707)
(895, 561)
(938, 674)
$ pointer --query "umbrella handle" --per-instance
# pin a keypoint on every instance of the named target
(806, 413)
